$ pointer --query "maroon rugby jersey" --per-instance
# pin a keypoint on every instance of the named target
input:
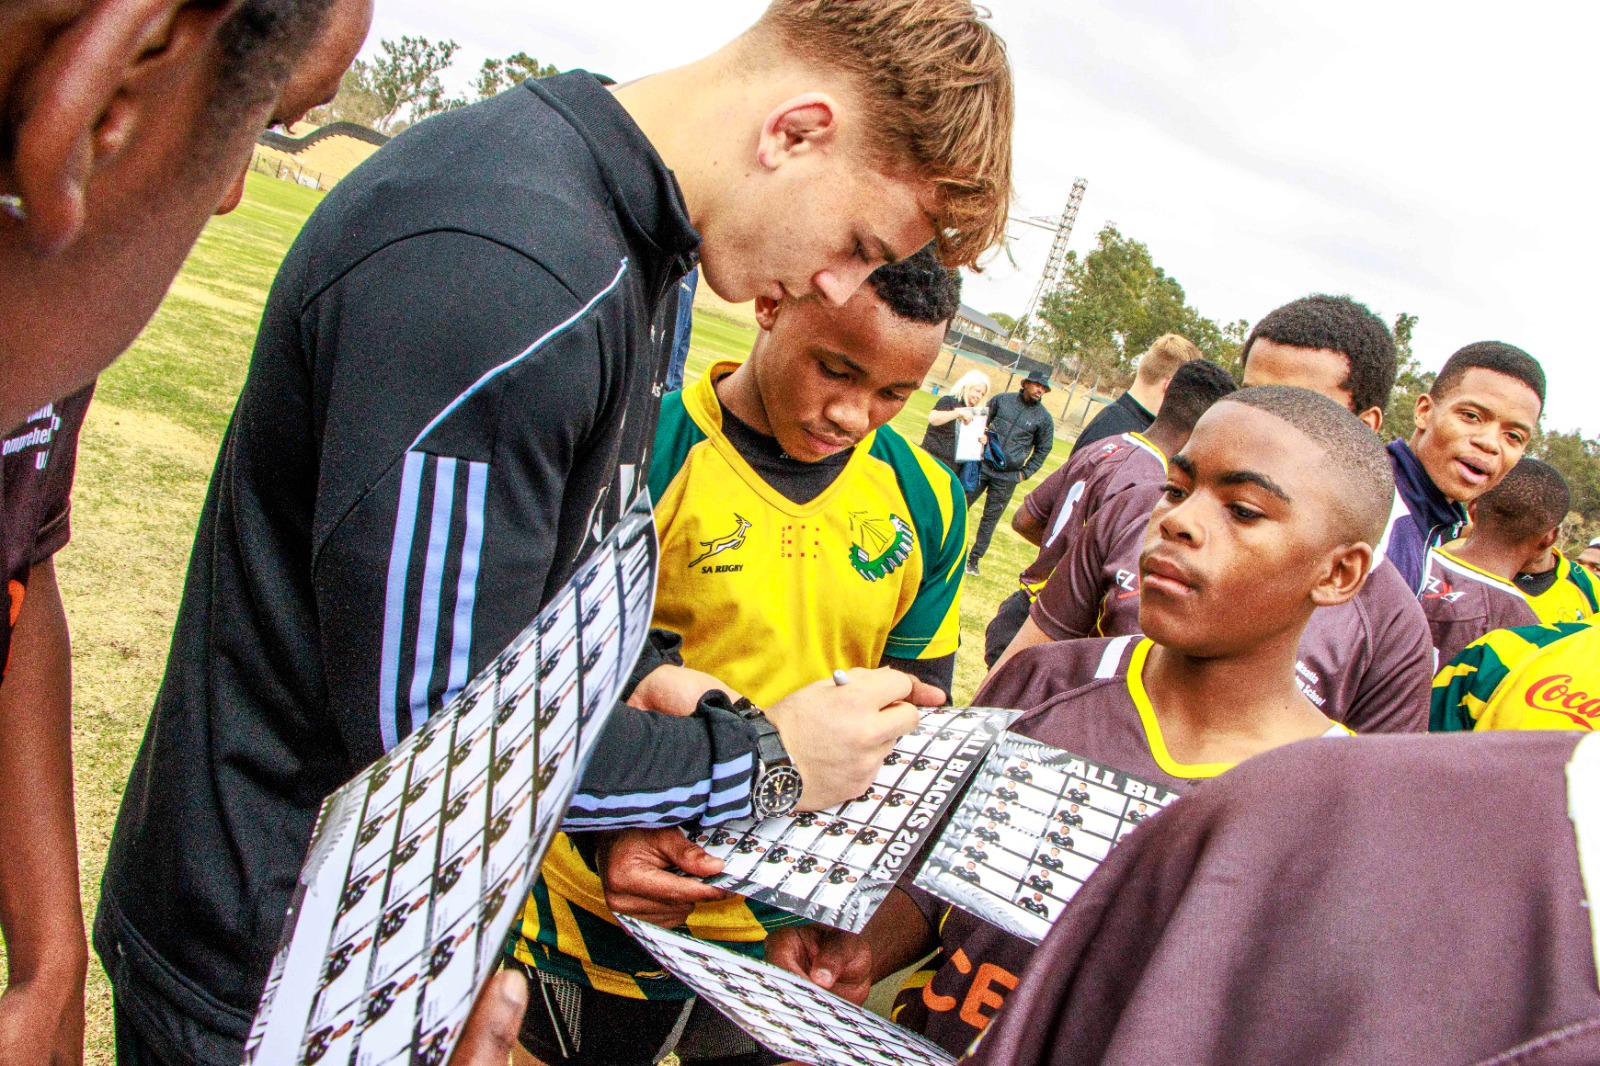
(1367, 663)
(1462, 603)
(1077, 489)
(1110, 721)
(1378, 900)
(37, 460)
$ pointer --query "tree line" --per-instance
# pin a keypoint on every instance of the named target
(400, 85)
(1114, 301)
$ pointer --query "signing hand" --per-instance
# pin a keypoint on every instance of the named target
(636, 871)
(838, 735)
(674, 690)
(829, 958)
(491, 1032)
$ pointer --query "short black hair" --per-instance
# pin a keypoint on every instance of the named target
(1530, 501)
(1339, 324)
(919, 288)
(261, 42)
(1194, 387)
(1357, 461)
(1498, 356)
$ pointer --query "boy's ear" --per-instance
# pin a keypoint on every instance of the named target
(1373, 417)
(766, 312)
(1423, 414)
(1343, 575)
(80, 102)
(797, 126)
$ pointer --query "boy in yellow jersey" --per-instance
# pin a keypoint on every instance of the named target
(1270, 513)
(799, 534)
(1532, 677)
(1558, 588)
(1467, 587)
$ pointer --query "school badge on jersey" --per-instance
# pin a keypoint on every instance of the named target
(879, 545)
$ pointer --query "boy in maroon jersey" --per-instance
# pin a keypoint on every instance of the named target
(1052, 514)
(1271, 513)
(1367, 663)
(1470, 589)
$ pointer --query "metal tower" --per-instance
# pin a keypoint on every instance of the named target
(1058, 254)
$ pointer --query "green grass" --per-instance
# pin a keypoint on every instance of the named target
(144, 461)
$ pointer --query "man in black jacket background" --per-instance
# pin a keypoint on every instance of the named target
(1021, 433)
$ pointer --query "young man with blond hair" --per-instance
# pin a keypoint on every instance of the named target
(452, 400)
(1136, 409)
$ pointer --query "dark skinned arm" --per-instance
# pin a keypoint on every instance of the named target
(1029, 526)
(41, 916)
(848, 964)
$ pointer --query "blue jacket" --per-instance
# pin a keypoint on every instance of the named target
(1423, 517)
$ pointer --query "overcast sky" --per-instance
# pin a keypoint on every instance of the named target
(1421, 157)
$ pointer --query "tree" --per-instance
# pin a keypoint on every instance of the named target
(498, 75)
(355, 102)
(1113, 302)
(1007, 323)
(1411, 381)
(404, 77)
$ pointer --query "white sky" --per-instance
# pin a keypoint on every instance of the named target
(1422, 157)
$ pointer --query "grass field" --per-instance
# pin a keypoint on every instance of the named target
(143, 465)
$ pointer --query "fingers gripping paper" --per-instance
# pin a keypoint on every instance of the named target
(1034, 824)
(418, 866)
(837, 865)
(787, 1014)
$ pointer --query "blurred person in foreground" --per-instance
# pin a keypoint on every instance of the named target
(126, 125)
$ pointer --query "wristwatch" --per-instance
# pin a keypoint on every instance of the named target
(775, 793)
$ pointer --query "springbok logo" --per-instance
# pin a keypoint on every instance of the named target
(717, 545)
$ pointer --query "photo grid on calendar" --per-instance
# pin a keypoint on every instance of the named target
(825, 865)
(786, 1013)
(1033, 825)
(440, 838)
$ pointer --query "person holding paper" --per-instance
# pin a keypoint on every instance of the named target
(452, 400)
(1270, 513)
(799, 533)
(951, 413)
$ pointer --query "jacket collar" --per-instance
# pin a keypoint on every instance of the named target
(1429, 506)
(647, 198)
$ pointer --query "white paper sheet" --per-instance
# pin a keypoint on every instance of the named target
(1033, 825)
(785, 1013)
(836, 866)
(419, 865)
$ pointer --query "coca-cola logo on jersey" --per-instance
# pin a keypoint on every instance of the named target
(1556, 695)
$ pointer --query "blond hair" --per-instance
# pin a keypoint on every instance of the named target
(1163, 358)
(969, 379)
(937, 88)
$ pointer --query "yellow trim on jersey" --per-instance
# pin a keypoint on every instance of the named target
(1152, 727)
(1144, 441)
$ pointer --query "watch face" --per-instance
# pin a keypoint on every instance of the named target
(778, 792)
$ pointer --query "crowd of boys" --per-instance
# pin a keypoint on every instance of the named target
(458, 386)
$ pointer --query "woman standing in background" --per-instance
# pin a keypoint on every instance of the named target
(964, 400)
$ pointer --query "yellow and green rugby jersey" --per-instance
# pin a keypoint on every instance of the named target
(769, 595)
(1531, 677)
(1572, 598)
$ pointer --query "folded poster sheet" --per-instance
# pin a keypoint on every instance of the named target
(785, 1013)
(836, 866)
(1029, 831)
(969, 437)
(419, 865)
